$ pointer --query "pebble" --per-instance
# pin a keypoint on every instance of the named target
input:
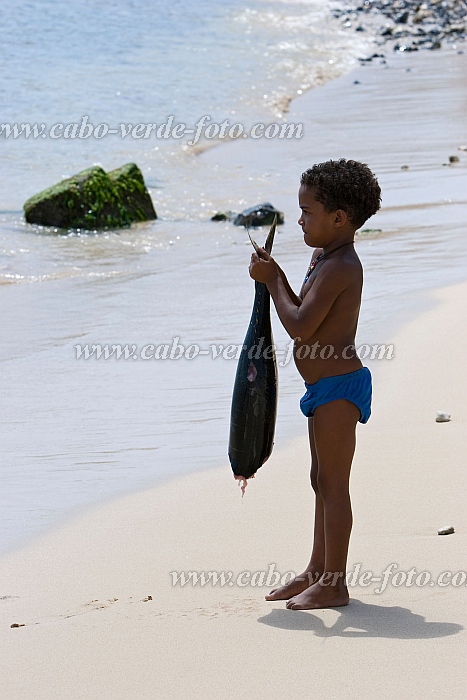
(447, 530)
(443, 417)
(16, 624)
(453, 159)
(424, 25)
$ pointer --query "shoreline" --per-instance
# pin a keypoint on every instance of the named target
(102, 619)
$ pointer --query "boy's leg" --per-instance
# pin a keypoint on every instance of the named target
(316, 565)
(317, 559)
(334, 434)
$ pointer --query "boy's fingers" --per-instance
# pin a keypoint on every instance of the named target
(259, 255)
(263, 254)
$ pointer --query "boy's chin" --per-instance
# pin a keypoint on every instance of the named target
(308, 242)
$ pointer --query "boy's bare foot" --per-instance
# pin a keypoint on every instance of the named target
(320, 596)
(294, 587)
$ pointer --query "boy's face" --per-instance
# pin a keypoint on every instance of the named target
(318, 225)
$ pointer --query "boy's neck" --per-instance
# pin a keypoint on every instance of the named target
(338, 243)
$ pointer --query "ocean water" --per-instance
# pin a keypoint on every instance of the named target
(75, 431)
(140, 61)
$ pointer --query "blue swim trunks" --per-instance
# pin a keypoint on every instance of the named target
(355, 387)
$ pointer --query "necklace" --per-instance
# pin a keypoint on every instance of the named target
(320, 257)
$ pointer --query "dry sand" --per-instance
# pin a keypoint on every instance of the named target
(82, 591)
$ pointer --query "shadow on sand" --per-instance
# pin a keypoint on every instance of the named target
(363, 620)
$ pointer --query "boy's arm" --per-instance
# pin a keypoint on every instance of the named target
(302, 321)
(293, 297)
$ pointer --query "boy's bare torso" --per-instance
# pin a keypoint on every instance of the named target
(332, 345)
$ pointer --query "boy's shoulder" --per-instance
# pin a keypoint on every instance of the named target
(346, 269)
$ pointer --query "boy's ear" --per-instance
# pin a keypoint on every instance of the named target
(340, 218)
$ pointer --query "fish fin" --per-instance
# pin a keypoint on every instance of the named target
(271, 234)
(253, 242)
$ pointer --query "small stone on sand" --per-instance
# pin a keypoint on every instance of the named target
(443, 417)
(447, 530)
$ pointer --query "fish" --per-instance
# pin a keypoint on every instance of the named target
(254, 398)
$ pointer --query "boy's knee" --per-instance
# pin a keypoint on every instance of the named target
(329, 487)
(314, 478)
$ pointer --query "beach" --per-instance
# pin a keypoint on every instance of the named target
(116, 482)
(102, 618)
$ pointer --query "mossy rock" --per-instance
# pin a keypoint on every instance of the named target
(93, 199)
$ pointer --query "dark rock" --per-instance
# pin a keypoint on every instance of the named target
(223, 216)
(260, 215)
(405, 47)
(402, 18)
(453, 159)
(435, 45)
(93, 199)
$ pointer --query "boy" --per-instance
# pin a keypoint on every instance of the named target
(335, 199)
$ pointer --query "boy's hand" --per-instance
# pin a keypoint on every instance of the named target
(263, 268)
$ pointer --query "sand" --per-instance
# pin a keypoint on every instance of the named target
(80, 593)
(103, 620)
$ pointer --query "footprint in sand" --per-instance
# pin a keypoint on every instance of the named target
(91, 606)
(99, 604)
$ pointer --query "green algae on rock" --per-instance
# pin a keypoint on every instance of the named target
(93, 199)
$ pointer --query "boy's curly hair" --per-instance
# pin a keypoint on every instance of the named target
(345, 184)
